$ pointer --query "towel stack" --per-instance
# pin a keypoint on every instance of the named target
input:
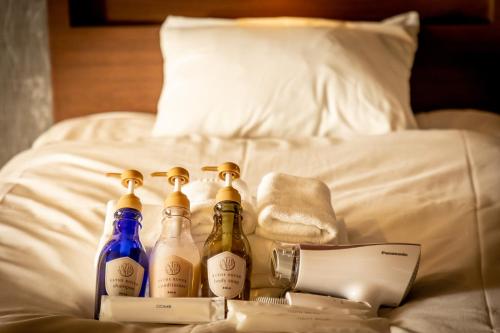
(297, 210)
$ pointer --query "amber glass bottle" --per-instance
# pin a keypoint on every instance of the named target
(226, 264)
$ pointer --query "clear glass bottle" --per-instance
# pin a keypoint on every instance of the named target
(175, 260)
(227, 260)
(122, 268)
(123, 263)
(174, 265)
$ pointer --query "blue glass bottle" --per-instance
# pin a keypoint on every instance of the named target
(122, 268)
(125, 278)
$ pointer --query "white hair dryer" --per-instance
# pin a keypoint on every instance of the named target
(378, 274)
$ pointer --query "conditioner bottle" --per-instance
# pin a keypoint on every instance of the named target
(174, 266)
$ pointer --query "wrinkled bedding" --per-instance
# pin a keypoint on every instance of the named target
(139, 125)
(439, 188)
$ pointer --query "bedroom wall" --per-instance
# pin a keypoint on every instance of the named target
(25, 86)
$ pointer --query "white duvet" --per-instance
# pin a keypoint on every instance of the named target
(439, 188)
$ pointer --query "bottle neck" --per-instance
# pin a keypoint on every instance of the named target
(127, 222)
(176, 222)
(227, 223)
(231, 210)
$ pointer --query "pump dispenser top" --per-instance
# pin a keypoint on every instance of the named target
(177, 177)
(227, 171)
(130, 179)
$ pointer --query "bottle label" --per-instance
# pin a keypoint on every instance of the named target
(174, 277)
(123, 277)
(226, 274)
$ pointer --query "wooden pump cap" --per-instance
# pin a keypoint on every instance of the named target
(176, 198)
(129, 200)
(227, 193)
(224, 168)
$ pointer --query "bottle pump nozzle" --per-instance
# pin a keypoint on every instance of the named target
(177, 177)
(130, 179)
(228, 172)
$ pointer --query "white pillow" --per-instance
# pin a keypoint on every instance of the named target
(286, 77)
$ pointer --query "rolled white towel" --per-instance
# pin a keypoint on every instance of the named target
(201, 194)
(295, 210)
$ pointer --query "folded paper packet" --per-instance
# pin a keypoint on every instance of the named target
(261, 317)
(171, 310)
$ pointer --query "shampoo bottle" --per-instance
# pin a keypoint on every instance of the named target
(227, 259)
(175, 260)
(122, 267)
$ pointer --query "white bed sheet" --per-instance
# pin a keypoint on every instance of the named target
(440, 188)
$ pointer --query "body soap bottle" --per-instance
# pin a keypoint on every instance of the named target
(227, 259)
(122, 267)
(174, 267)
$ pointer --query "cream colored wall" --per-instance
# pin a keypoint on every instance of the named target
(25, 90)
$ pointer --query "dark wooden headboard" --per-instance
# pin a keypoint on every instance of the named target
(105, 53)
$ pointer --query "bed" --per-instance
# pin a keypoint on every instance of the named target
(430, 178)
